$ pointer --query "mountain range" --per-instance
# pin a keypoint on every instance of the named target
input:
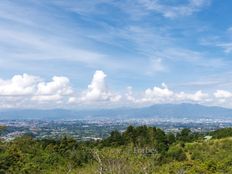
(165, 111)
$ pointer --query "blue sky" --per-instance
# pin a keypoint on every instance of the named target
(133, 52)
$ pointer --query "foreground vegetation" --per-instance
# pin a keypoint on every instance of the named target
(143, 149)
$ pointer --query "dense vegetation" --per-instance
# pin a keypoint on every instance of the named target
(137, 150)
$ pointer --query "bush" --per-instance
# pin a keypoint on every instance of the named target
(176, 153)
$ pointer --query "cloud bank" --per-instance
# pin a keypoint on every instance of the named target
(25, 91)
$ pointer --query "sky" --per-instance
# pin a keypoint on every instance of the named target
(115, 53)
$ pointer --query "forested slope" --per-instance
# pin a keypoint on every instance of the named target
(137, 150)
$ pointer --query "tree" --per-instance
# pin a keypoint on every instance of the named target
(185, 135)
(171, 138)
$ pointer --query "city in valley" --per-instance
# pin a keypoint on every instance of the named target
(101, 128)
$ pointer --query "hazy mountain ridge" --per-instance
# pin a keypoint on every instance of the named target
(185, 110)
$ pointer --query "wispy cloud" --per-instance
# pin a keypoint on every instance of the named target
(139, 8)
(222, 40)
(225, 45)
(173, 11)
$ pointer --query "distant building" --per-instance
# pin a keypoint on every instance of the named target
(207, 137)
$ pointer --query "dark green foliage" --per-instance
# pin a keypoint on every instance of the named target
(222, 133)
(115, 139)
(187, 136)
(171, 138)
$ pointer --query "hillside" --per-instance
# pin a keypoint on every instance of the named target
(137, 150)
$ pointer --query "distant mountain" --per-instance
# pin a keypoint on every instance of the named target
(185, 110)
(36, 114)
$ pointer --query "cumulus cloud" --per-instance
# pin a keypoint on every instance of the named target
(197, 96)
(162, 91)
(223, 97)
(129, 95)
(23, 90)
(157, 94)
(165, 95)
(32, 91)
(98, 90)
(222, 94)
(54, 90)
(18, 85)
(72, 100)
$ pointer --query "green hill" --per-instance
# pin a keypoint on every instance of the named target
(137, 150)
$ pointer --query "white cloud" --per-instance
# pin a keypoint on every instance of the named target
(32, 91)
(223, 98)
(159, 50)
(19, 85)
(129, 95)
(174, 11)
(72, 100)
(164, 95)
(198, 96)
(55, 90)
(138, 8)
(59, 85)
(158, 92)
(227, 47)
(222, 94)
(47, 98)
(156, 95)
(45, 48)
(98, 91)
(221, 41)
(24, 90)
